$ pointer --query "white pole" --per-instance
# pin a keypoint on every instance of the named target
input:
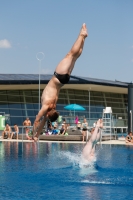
(39, 85)
(89, 106)
(131, 120)
(74, 117)
(39, 56)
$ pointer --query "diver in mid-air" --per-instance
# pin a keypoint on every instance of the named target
(61, 76)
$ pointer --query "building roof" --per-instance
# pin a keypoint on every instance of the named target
(7, 79)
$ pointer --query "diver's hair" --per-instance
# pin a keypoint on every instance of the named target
(53, 115)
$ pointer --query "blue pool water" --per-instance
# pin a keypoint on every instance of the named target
(52, 171)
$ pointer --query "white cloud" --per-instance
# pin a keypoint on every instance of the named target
(132, 46)
(132, 60)
(5, 44)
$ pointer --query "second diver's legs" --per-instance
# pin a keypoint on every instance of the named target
(90, 146)
(67, 64)
(98, 137)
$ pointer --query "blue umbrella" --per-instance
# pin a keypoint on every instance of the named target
(74, 107)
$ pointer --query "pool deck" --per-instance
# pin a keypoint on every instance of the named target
(117, 142)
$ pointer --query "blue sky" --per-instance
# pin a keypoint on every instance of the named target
(30, 26)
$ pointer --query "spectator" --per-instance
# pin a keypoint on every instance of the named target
(28, 133)
(76, 120)
(129, 138)
(7, 131)
(64, 121)
(79, 125)
(55, 130)
(27, 122)
(54, 124)
(84, 128)
(62, 130)
(94, 124)
(50, 129)
(16, 131)
(68, 126)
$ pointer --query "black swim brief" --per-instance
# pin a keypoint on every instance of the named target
(63, 78)
(84, 129)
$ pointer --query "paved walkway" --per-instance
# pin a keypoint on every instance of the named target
(113, 142)
(117, 142)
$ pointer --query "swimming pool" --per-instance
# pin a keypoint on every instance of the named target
(51, 171)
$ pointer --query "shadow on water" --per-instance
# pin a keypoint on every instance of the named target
(52, 170)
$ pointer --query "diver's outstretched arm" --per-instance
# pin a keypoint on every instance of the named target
(40, 127)
(37, 124)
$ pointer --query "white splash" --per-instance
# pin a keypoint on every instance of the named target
(73, 158)
(97, 182)
(85, 167)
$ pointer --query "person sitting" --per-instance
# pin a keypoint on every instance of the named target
(16, 132)
(62, 130)
(49, 130)
(55, 131)
(79, 125)
(28, 133)
(54, 124)
(7, 131)
(64, 121)
(68, 126)
(129, 138)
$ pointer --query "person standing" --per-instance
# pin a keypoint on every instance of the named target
(84, 128)
(27, 122)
